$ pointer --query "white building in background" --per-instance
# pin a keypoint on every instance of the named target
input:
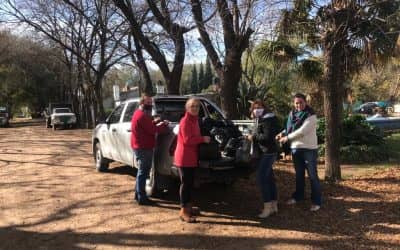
(396, 108)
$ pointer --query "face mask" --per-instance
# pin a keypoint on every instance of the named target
(147, 107)
(258, 112)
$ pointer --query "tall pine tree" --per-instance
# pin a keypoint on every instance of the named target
(194, 84)
(208, 76)
(201, 77)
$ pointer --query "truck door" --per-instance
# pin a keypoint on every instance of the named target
(110, 138)
(124, 134)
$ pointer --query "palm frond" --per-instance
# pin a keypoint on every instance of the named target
(311, 69)
(280, 51)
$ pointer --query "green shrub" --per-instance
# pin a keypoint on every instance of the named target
(361, 142)
(321, 130)
(357, 131)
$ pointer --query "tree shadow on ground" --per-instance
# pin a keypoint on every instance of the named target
(346, 210)
(14, 238)
(122, 170)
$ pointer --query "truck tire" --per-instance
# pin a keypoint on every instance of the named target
(101, 162)
(48, 123)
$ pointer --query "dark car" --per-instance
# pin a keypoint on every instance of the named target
(367, 108)
(4, 117)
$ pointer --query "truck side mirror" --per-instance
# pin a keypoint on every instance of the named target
(100, 120)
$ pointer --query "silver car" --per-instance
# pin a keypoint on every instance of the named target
(111, 142)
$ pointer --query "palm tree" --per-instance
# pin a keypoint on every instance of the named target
(351, 34)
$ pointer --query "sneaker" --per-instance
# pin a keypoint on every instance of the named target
(314, 208)
(291, 201)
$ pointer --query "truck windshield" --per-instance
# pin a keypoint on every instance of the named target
(172, 110)
(62, 110)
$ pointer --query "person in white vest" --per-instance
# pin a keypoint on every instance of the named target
(301, 134)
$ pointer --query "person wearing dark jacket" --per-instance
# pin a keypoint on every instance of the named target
(266, 127)
(143, 139)
(186, 157)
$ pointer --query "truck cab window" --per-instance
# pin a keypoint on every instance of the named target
(116, 114)
(212, 111)
(132, 106)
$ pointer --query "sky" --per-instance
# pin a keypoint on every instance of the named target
(263, 22)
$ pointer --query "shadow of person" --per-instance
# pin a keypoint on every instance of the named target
(122, 170)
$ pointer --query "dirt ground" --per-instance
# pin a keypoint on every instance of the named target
(51, 197)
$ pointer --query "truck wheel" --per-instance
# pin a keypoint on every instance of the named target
(101, 162)
(152, 183)
(48, 123)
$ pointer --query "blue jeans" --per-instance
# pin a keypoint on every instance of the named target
(144, 158)
(265, 177)
(306, 159)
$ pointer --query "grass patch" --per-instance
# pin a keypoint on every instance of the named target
(393, 145)
(350, 171)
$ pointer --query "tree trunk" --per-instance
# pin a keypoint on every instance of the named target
(175, 32)
(230, 82)
(144, 71)
(98, 97)
(333, 109)
(174, 79)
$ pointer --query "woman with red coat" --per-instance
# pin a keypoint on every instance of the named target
(186, 156)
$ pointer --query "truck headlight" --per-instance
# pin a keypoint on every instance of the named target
(73, 119)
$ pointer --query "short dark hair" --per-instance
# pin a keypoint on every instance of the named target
(143, 97)
(300, 95)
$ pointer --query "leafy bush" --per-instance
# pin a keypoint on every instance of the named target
(357, 131)
(361, 142)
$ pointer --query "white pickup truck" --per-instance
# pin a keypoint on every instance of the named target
(61, 117)
(111, 142)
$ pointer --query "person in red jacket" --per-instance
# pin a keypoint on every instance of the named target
(186, 156)
(143, 139)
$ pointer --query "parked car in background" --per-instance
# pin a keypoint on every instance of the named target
(111, 142)
(4, 117)
(60, 115)
(367, 108)
(385, 123)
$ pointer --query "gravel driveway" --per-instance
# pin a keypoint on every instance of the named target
(51, 197)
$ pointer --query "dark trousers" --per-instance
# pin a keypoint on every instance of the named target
(144, 159)
(185, 190)
(306, 159)
(266, 179)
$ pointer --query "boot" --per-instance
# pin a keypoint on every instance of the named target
(267, 211)
(275, 206)
(185, 215)
(194, 211)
